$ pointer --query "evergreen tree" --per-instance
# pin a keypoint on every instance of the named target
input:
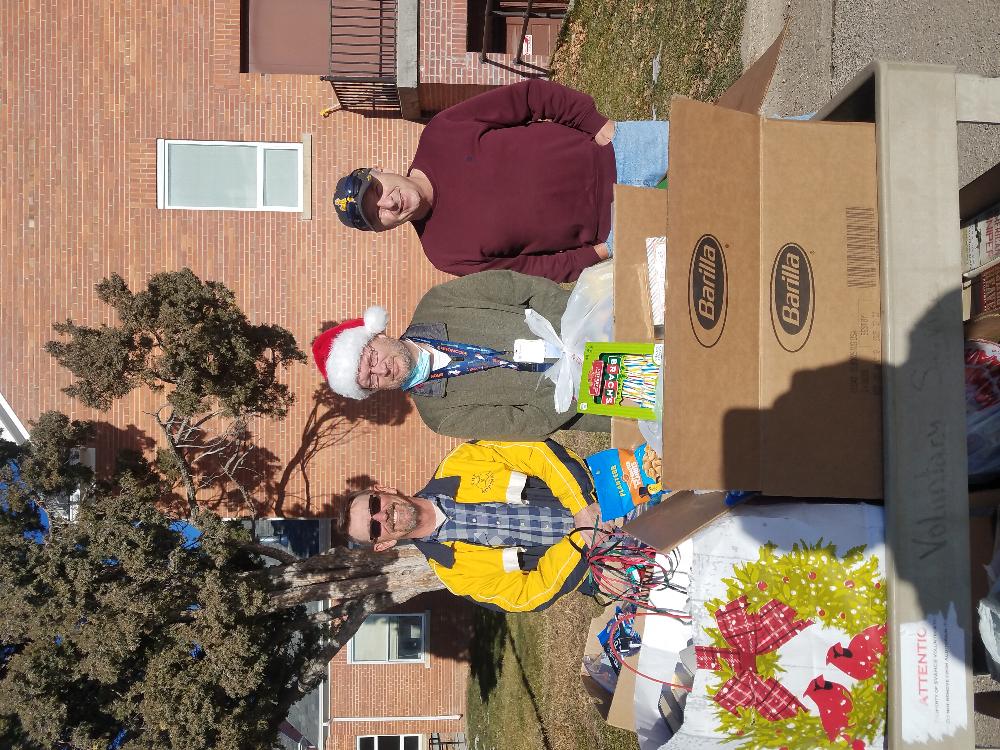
(115, 621)
(185, 334)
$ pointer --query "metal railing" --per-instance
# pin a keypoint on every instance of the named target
(363, 54)
(449, 742)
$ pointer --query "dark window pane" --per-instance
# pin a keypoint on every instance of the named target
(411, 742)
(408, 637)
(389, 742)
(366, 743)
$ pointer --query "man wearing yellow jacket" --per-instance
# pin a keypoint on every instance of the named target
(496, 522)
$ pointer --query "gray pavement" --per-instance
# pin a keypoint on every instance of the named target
(829, 41)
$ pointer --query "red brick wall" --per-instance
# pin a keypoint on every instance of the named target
(437, 96)
(87, 89)
(443, 58)
(366, 690)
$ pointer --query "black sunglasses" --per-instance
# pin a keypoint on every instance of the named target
(374, 506)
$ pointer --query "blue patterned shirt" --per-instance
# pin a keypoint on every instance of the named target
(500, 524)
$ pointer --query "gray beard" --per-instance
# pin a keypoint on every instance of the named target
(406, 520)
(407, 358)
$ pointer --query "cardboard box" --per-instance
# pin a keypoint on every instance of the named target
(985, 292)
(642, 212)
(773, 325)
(639, 213)
(676, 518)
(981, 240)
(617, 709)
(986, 327)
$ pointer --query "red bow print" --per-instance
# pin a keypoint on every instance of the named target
(749, 635)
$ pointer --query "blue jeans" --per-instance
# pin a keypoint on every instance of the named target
(640, 157)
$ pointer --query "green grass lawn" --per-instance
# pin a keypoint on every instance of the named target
(606, 48)
(525, 692)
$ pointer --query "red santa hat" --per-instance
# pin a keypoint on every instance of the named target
(337, 351)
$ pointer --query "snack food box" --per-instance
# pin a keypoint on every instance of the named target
(620, 379)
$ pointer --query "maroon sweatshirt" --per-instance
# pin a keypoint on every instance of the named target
(511, 192)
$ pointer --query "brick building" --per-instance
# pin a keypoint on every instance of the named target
(413, 57)
(404, 675)
(92, 95)
(134, 144)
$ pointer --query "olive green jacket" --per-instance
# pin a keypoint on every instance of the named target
(487, 309)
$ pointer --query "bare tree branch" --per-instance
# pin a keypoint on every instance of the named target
(182, 463)
(275, 553)
(351, 615)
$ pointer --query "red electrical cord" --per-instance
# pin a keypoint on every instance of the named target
(628, 572)
(621, 660)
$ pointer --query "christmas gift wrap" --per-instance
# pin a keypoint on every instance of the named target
(788, 616)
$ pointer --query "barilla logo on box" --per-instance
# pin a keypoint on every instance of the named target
(707, 291)
(792, 297)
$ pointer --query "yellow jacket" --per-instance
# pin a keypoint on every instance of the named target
(510, 578)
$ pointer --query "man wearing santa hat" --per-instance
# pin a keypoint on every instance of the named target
(468, 359)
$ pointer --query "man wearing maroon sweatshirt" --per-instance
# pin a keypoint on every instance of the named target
(518, 178)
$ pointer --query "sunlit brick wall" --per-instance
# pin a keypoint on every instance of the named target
(87, 89)
(406, 690)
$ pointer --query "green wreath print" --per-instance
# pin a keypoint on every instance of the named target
(846, 593)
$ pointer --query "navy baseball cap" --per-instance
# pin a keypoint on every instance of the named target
(348, 196)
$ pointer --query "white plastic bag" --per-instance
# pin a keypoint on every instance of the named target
(588, 317)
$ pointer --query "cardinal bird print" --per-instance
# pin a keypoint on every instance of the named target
(859, 659)
(834, 703)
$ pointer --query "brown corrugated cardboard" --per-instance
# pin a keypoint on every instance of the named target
(985, 326)
(639, 213)
(677, 517)
(984, 292)
(773, 330)
(642, 212)
(747, 94)
(618, 709)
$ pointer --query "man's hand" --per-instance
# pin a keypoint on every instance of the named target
(602, 251)
(590, 518)
(605, 134)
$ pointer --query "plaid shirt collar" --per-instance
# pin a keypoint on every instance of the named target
(500, 524)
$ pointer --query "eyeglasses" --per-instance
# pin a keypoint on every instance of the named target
(369, 358)
(374, 506)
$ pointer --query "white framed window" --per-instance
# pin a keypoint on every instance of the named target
(11, 428)
(389, 742)
(229, 175)
(389, 639)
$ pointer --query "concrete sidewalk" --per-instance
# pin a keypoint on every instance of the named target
(829, 41)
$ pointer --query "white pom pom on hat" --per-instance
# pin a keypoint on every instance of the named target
(376, 319)
(337, 351)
